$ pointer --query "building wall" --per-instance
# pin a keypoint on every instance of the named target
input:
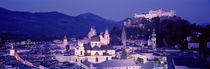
(95, 43)
(193, 45)
(92, 59)
(111, 52)
(93, 52)
(80, 51)
(144, 56)
(12, 52)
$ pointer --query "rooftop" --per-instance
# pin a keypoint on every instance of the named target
(117, 63)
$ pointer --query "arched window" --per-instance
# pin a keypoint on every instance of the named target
(80, 52)
(96, 59)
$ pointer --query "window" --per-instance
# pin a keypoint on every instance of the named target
(96, 59)
(80, 52)
(96, 53)
(107, 58)
(81, 61)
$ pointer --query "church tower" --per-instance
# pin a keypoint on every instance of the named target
(65, 41)
(107, 37)
(123, 37)
(154, 40)
(12, 50)
(80, 51)
(91, 33)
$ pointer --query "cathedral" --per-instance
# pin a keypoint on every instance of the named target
(97, 50)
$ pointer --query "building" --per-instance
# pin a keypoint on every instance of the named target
(12, 50)
(118, 64)
(144, 56)
(105, 40)
(65, 41)
(97, 50)
(155, 13)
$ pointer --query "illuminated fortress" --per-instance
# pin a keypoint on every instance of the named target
(155, 13)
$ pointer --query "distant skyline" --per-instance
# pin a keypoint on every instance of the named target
(195, 11)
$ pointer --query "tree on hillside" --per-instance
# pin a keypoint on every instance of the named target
(139, 60)
(184, 45)
(67, 47)
(124, 54)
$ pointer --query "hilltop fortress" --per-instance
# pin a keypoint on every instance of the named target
(155, 13)
(139, 19)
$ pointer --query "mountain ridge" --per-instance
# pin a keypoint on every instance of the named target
(50, 23)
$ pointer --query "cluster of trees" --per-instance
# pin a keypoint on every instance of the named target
(170, 31)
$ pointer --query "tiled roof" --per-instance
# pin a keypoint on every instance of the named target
(103, 47)
(95, 38)
(96, 48)
(88, 63)
(117, 63)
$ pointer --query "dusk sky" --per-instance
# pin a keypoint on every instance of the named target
(196, 11)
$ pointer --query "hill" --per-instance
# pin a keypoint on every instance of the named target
(50, 24)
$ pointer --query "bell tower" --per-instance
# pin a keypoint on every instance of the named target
(154, 40)
(107, 37)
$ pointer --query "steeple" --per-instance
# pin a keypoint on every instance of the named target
(123, 37)
(65, 41)
(154, 40)
(12, 47)
(92, 32)
(106, 31)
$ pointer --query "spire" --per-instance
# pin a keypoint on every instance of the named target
(65, 37)
(65, 41)
(123, 37)
(106, 31)
(12, 46)
(92, 32)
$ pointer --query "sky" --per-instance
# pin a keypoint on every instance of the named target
(195, 11)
